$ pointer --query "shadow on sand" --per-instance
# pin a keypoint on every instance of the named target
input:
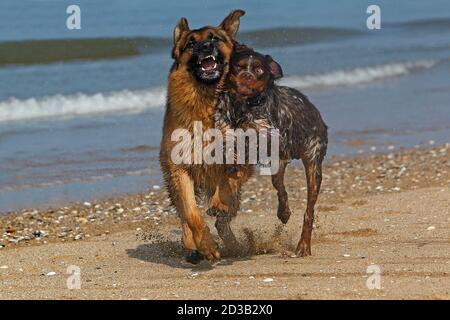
(170, 252)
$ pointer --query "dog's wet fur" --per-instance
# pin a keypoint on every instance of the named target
(201, 62)
(201, 88)
(250, 98)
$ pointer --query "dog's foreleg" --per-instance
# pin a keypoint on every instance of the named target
(191, 217)
(192, 254)
(284, 212)
(313, 171)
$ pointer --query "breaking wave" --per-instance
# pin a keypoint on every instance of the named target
(67, 106)
(361, 75)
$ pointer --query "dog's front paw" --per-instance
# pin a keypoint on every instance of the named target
(303, 249)
(194, 257)
(284, 213)
(207, 246)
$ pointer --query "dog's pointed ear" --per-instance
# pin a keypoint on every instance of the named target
(275, 68)
(231, 23)
(181, 28)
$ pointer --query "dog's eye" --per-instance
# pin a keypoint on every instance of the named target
(191, 43)
(259, 71)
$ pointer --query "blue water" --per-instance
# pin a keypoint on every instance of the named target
(74, 130)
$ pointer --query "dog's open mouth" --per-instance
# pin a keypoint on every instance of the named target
(208, 64)
(208, 67)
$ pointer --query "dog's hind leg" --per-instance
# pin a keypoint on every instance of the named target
(313, 169)
(227, 192)
(221, 201)
(284, 212)
(223, 227)
(225, 205)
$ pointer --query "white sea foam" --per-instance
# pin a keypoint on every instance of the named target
(356, 76)
(67, 106)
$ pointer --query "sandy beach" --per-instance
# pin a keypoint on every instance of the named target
(390, 210)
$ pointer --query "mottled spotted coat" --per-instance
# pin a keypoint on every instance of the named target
(303, 133)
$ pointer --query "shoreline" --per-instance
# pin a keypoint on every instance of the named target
(344, 176)
(386, 210)
(402, 228)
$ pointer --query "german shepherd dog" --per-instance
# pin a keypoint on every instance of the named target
(252, 97)
(202, 58)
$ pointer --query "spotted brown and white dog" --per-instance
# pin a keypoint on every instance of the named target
(250, 98)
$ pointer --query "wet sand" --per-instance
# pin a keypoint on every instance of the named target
(389, 210)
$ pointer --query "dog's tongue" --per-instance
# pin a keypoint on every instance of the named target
(208, 64)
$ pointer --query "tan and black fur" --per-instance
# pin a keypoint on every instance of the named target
(192, 96)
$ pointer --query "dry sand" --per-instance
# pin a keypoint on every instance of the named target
(392, 211)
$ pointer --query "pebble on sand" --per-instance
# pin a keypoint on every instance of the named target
(82, 220)
(37, 233)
